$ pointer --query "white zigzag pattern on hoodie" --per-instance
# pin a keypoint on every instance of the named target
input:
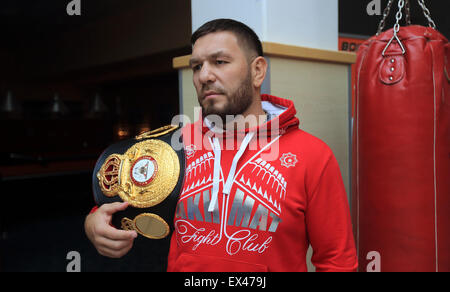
(268, 170)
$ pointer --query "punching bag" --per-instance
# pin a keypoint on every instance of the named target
(401, 149)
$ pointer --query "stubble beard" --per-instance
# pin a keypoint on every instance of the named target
(237, 102)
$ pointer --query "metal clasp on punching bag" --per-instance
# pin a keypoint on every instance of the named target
(398, 17)
(392, 69)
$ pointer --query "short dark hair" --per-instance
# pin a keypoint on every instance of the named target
(243, 33)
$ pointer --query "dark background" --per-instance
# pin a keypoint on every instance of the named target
(111, 70)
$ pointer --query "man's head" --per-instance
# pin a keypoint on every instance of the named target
(246, 37)
(228, 68)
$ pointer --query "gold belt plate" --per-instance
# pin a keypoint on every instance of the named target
(143, 176)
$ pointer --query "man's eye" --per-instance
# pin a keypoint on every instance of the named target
(196, 67)
(220, 62)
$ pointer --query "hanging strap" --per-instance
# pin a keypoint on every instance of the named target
(427, 14)
(404, 4)
(407, 12)
(386, 13)
(398, 17)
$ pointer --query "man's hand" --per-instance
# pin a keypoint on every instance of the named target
(108, 240)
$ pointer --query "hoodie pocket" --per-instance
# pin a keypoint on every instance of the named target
(195, 263)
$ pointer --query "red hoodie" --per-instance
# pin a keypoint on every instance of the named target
(283, 192)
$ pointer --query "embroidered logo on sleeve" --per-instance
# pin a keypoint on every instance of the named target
(288, 160)
(190, 150)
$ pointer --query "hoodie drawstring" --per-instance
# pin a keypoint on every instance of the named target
(231, 174)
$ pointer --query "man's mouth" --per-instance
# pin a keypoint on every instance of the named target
(211, 94)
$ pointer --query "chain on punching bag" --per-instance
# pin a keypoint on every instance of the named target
(401, 148)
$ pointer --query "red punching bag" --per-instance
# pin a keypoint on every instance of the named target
(401, 149)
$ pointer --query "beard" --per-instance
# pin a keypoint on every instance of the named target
(237, 102)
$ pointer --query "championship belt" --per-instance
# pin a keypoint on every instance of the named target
(147, 173)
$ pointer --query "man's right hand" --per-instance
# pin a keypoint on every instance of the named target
(108, 240)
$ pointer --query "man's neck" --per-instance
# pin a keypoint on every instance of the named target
(251, 118)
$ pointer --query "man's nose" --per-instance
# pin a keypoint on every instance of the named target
(206, 74)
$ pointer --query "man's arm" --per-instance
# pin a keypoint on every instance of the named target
(328, 222)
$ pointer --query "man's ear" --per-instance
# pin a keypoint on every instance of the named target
(259, 70)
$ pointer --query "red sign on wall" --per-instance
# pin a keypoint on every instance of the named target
(351, 45)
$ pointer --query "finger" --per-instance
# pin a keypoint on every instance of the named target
(117, 234)
(112, 208)
(113, 245)
(112, 253)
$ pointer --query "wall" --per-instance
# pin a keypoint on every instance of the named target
(292, 22)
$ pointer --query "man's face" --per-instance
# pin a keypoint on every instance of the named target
(222, 75)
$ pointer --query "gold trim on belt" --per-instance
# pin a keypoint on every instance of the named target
(144, 176)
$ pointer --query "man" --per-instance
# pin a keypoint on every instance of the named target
(242, 209)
